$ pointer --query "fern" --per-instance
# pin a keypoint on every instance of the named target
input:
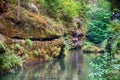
(36, 53)
(29, 42)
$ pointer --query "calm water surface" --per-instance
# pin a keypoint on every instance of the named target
(75, 66)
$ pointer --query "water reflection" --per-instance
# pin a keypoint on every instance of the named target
(73, 67)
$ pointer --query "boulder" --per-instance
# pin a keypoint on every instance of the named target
(92, 49)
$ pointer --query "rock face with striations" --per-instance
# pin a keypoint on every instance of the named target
(34, 38)
(31, 25)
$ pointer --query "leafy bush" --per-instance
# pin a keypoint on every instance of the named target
(61, 8)
(17, 46)
(102, 68)
(115, 25)
(115, 45)
(2, 48)
(26, 55)
(52, 6)
(29, 42)
(1, 45)
(9, 61)
(36, 53)
(98, 20)
(71, 8)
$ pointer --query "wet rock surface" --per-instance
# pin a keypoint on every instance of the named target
(34, 51)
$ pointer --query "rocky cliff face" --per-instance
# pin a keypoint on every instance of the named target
(34, 37)
(31, 25)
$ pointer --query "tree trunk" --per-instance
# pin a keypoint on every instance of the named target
(18, 12)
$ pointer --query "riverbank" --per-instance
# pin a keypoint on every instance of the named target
(29, 34)
(73, 66)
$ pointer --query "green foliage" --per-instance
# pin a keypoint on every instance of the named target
(14, 1)
(101, 29)
(71, 8)
(115, 25)
(9, 61)
(2, 48)
(87, 43)
(15, 60)
(102, 68)
(29, 42)
(1, 45)
(98, 20)
(26, 55)
(62, 8)
(36, 53)
(104, 4)
(52, 7)
(104, 43)
(67, 42)
(115, 45)
(17, 46)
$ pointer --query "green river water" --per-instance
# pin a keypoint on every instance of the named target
(75, 66)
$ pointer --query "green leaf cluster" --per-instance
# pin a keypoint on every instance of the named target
(65, 9)
(29, 42)
(36, 53)
(98, 21)
(9, 61)
(101, 67)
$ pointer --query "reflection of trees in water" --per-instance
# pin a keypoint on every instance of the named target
(61, 69)
(76, 63)
(76, 58)
(73, 63)
(47, 71)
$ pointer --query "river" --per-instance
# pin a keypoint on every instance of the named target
(75, 66)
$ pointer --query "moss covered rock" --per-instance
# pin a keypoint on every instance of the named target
(92, 49)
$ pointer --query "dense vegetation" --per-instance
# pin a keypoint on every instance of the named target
(34, 30)
(104, 32)
(48, 19)
(98, 21)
